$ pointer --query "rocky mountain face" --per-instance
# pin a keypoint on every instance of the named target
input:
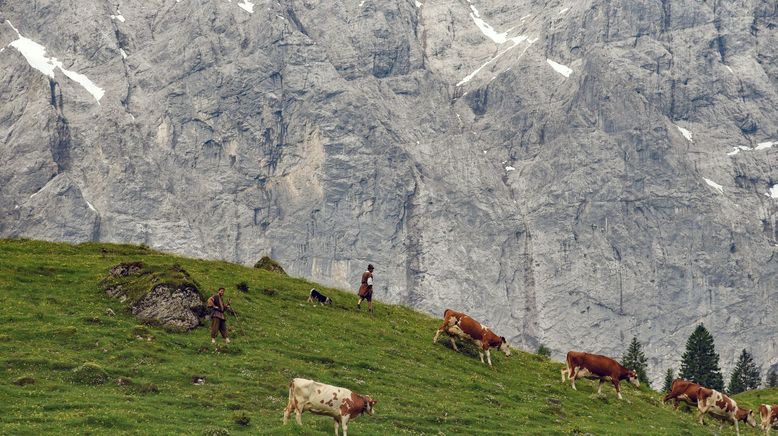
(571, 173)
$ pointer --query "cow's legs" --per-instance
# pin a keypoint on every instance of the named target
(488, 358)
(344, 424)
(599, 387)
(737, 428)
(564, 370)
(572, 376)
(618, 389)
(337, 424)
(437, 333)
(454, 344)
(703, 407)
(299, 414)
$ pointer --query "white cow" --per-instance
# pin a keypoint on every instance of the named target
(715, 403)
(320, 399)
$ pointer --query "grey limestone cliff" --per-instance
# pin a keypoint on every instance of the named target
(572, 173)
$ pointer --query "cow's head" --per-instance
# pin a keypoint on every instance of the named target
(504, 347)
(632, 375)
(328, 300)
(369, 403)
(746, 416)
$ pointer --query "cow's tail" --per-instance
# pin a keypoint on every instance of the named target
(569, 364)
(291, 404)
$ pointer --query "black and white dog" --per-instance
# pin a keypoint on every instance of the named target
(317, 296)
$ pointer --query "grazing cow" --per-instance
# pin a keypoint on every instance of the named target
(769, 415)
(457, 324)
(320, 399)
(714, 402)
(602, 368)
(682, 390)
(746, 416)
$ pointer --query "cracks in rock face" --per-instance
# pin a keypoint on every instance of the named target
(666, 15)
(60, 142)
(295, 20)
(122, 41)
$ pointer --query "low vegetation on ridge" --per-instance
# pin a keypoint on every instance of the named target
(68, 364)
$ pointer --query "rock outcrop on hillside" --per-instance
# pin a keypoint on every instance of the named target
(572, 173)
(164, 296)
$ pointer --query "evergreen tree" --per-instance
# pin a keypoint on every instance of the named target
(700, 363)
(772, 378)
(635, 359)
(745, 375)
(669, 377)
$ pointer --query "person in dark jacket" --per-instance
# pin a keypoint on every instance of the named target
(366, 289)
(218, 320)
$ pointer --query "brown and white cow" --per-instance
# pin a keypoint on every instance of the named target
(602, 368)
(714, 402)
(320, 399)
(769, 415)
(457, 324)
(682, 390)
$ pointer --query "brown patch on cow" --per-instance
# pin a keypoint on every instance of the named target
(353, 406)
(322, 401)
(345, 406)
(318, 391)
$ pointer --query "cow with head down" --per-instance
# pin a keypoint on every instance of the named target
(769, 415)
(595, 366)
(321, 399)
(458, 325)
(722, 407)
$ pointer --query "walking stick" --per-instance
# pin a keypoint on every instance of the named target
(237, 320)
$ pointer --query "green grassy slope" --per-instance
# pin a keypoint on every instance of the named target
(752, 399)
(54, 321)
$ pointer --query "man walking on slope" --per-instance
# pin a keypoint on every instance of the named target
(218, 321)
(366, 289)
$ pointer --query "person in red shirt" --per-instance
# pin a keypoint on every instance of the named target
(366, 289)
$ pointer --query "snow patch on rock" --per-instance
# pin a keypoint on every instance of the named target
(35, 54)
(714, 185)
(559, 68)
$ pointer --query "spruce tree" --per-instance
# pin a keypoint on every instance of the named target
(772, 378)
(669, 377)
(745, 375)
(700, 363)
(635, 359)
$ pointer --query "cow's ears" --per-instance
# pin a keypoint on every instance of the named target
(503, 338)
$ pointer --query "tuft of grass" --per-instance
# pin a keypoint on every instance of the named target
(215, 431)
(268, 264)
(241, 419)
(89, 374)
(24, 381)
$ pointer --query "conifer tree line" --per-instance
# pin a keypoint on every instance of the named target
(700, 364)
